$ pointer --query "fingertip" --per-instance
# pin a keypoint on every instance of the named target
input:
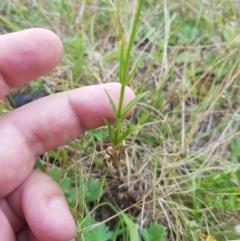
(52, 39)
(59, 208)
(28, 54)
(46, 209)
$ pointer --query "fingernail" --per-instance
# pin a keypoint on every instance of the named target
(61, 207)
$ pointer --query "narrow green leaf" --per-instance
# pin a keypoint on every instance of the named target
(110, 130)
(132, 34)
(145, 234)
(117, 131)
(132, 103)
(132, 72)
(134, 25)
(120, 103)
(112, 103)
(132, 228)
(122, 62)
(129, 131)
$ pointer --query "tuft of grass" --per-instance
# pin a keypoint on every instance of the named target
(180, 178)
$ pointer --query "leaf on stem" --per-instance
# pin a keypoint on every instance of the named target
(110, 130)
(112, 104)
(122, 77)
(126, 133)
(132, 34)
(132, 72)
(132, 103)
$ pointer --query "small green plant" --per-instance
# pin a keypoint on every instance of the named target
(100, 232)
(115, 130)
(154, 232)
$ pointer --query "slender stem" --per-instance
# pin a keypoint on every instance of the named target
(117, 131)
(121, 101)
(132, 35)
(123, 72)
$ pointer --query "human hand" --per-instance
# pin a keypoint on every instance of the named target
(32, 205)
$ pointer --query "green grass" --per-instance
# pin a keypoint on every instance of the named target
(184, 173)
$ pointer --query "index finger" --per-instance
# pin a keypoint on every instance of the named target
(26, 55)
(48, 123)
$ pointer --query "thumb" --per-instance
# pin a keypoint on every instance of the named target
(43, 205)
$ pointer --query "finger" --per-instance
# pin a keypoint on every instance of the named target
(6, 232)
(27, 55)
(26, 235)
(55, 120)
(42, 203)
(15, 221)
(48, 123)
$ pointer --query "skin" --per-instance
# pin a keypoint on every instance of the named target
(32, 205)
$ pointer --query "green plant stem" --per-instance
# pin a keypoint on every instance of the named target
(121, 101)
(132, 36)
(117, 132)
